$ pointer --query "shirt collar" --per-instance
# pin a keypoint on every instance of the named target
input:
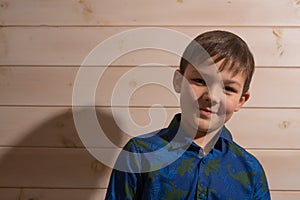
(184, 139)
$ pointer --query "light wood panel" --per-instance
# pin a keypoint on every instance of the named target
(70, 45)
(75, 168)
(50, 194)
(51, 168)
(44, 86)
(266, 128)
(54, 126)
(9, 194)
(150, 12)
(281, 166)
(282, 195)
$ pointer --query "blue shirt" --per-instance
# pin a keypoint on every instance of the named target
(227, 172)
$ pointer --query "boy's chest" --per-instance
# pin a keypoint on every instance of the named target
(193, 178)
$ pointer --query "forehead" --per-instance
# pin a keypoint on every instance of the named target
(212, 72)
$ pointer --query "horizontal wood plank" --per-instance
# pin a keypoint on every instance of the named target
(128, 86)
(281, 167)
(10, 193)
(75, 168)
(50, 194)
(282, 195)
(150, 12)
(266, 128)
(54, 126)
(51, 168)
(71, 45)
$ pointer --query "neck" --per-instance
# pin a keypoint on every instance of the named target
(204, 139)
(207, 140)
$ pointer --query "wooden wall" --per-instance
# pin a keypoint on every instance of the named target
(43, 43)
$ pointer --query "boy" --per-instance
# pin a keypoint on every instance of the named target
(197, 158)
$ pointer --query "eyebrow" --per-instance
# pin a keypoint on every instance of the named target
(201, 73)
(227, 81)
(231, 82)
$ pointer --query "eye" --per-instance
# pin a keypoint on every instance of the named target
(229, 89)
(199, 81)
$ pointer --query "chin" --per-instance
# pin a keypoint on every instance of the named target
(207, 127)
(202, 127)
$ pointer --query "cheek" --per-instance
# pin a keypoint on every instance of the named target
(188, 100)
(230, 106)
(188, 92)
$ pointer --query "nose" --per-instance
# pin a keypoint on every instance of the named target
(209, 99)
(213, 95)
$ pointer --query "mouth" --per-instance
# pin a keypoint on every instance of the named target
(206, 112)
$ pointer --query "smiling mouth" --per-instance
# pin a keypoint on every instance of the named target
(206, 112)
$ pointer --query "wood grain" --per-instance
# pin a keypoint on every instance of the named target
(51, 168)
(53, 86)
(281, 167)
(281, 195)
(54, 126)
(50, 194)
(150, 12)
(276, 46)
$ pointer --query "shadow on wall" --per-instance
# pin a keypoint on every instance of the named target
(52, 163)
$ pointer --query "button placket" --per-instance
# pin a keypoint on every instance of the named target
(202, 190)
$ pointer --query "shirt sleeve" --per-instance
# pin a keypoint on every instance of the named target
(261, 190)
(125, 185)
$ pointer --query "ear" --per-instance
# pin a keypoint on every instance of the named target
(242, 101)
(177, 81)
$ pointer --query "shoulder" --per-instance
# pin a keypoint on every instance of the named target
(156, 139)
(245, 157)
(239, 153)
(252, 166)
(150, 141)
(248, 164)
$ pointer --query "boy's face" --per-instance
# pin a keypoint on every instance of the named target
(207, 102)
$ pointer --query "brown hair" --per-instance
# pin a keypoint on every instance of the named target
(221, 45)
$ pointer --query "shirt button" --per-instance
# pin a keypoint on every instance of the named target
(202, 196)
(203, 161)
